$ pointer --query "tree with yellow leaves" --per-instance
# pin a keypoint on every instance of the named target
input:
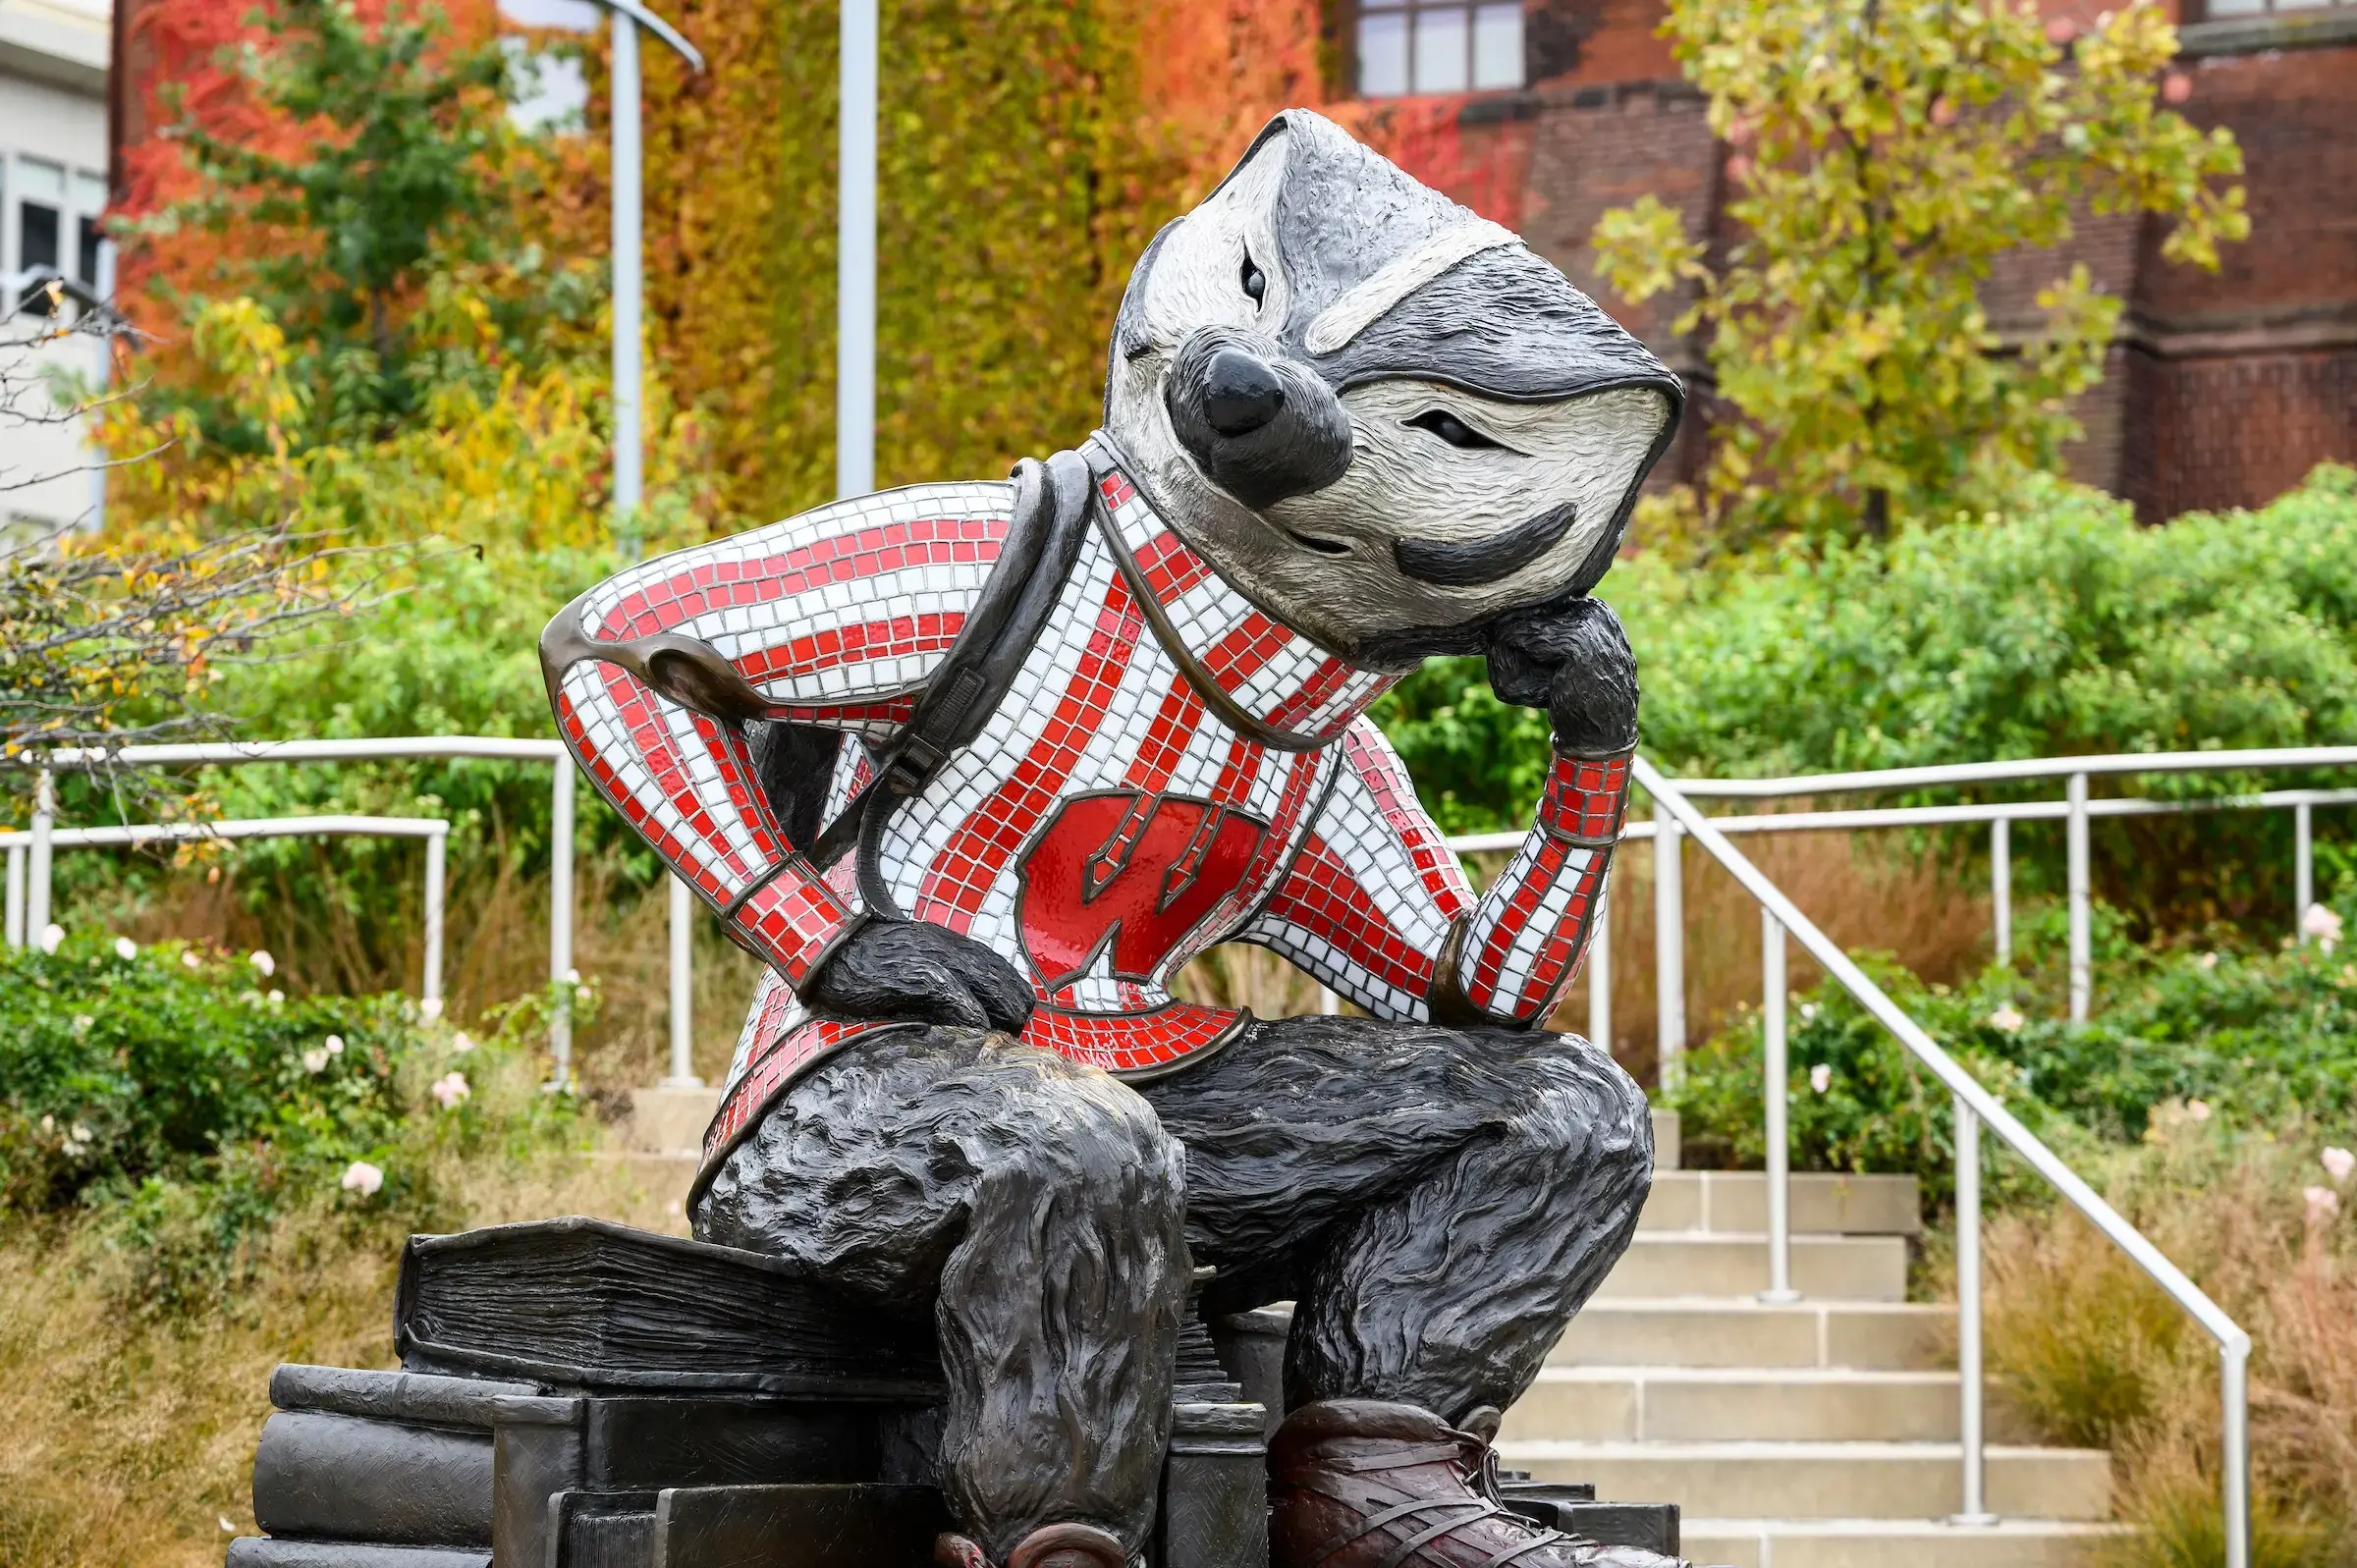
(1883, 154)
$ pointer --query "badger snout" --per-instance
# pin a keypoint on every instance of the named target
(1259, 424)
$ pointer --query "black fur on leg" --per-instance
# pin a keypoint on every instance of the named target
(1032, 1208)
(1439, 1200)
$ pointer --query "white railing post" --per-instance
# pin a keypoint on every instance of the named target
(2000, 887)
(683, 988)
(560, 917)
(2234, 1396)
(1329, 1004)
(1776, 1097)
(1975, 1509)
(1669, 945)
(39, 868)
(1600, 967)
(2082, 938)
(437, 863)
(2303, 868)
(16, 896)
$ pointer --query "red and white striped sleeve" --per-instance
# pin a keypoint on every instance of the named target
(1528, 936)
(836, 618)
(1377, 908)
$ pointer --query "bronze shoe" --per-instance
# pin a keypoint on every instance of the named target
(1365, 1483)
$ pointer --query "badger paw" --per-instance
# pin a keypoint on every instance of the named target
(918, 972)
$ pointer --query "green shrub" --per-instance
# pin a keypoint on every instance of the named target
(2254, 1037)
(117, 1070)
(453, 652)
(183, 1097)
(2058, 627)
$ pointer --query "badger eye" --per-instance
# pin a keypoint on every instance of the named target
(1255, 285)
(1450, 429)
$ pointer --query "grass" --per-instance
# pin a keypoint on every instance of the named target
(131, 1429)
(2086, 1351)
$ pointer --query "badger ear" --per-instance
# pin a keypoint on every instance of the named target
(1269, 142)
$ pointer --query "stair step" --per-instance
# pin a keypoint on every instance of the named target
(1825, 1480)
(1737, 1200)
(1890, 1542)
(1635, 1332)
(1690, 1404)
(1722, 1264)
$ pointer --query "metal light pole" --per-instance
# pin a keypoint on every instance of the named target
(855, 255)
(630, 450)
(628, 266)
(630, 440)
(105, 286)
(630, 18)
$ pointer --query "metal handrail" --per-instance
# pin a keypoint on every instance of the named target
(1943, 816)
(46, 833)
(2259, 759)
(435, 831)
(1974, 1108)
(515, 748)
(1669, 917)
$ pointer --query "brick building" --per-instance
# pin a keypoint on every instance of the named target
(2225, 388)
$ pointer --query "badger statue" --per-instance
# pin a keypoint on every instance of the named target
(975, 768)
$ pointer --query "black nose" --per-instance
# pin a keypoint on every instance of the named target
(1240, 393)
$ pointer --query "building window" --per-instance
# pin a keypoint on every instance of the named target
(52, 222)
(1408, 46)
(40, 210)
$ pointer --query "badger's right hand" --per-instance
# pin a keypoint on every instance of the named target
(918, 972)
(1572, 659)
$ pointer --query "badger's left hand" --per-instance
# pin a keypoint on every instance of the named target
(1572, 659)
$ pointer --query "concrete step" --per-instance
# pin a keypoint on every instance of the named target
(1698, 1404)
(1825, 1480)
(1737, 1200)
(1664, 1141)
(1635, 1331)
(1890, 1542)
(1725, 1265)
(670, 1120)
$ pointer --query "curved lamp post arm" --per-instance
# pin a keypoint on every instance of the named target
(658, 27)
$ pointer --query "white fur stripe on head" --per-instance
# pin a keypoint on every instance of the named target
(1401, 277)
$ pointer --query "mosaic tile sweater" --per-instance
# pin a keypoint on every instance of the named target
(1108, 826)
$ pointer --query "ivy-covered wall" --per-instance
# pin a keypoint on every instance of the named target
(1027, 154)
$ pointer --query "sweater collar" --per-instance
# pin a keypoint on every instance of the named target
(1285, 684)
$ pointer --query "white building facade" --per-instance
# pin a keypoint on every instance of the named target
(53, 188)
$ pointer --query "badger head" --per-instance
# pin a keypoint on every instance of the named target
(1381, 417)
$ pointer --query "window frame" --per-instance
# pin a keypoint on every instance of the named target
(1408, 10)
(72, 212)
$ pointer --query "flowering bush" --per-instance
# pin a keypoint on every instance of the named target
(181, 1096)
(120, 1065)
